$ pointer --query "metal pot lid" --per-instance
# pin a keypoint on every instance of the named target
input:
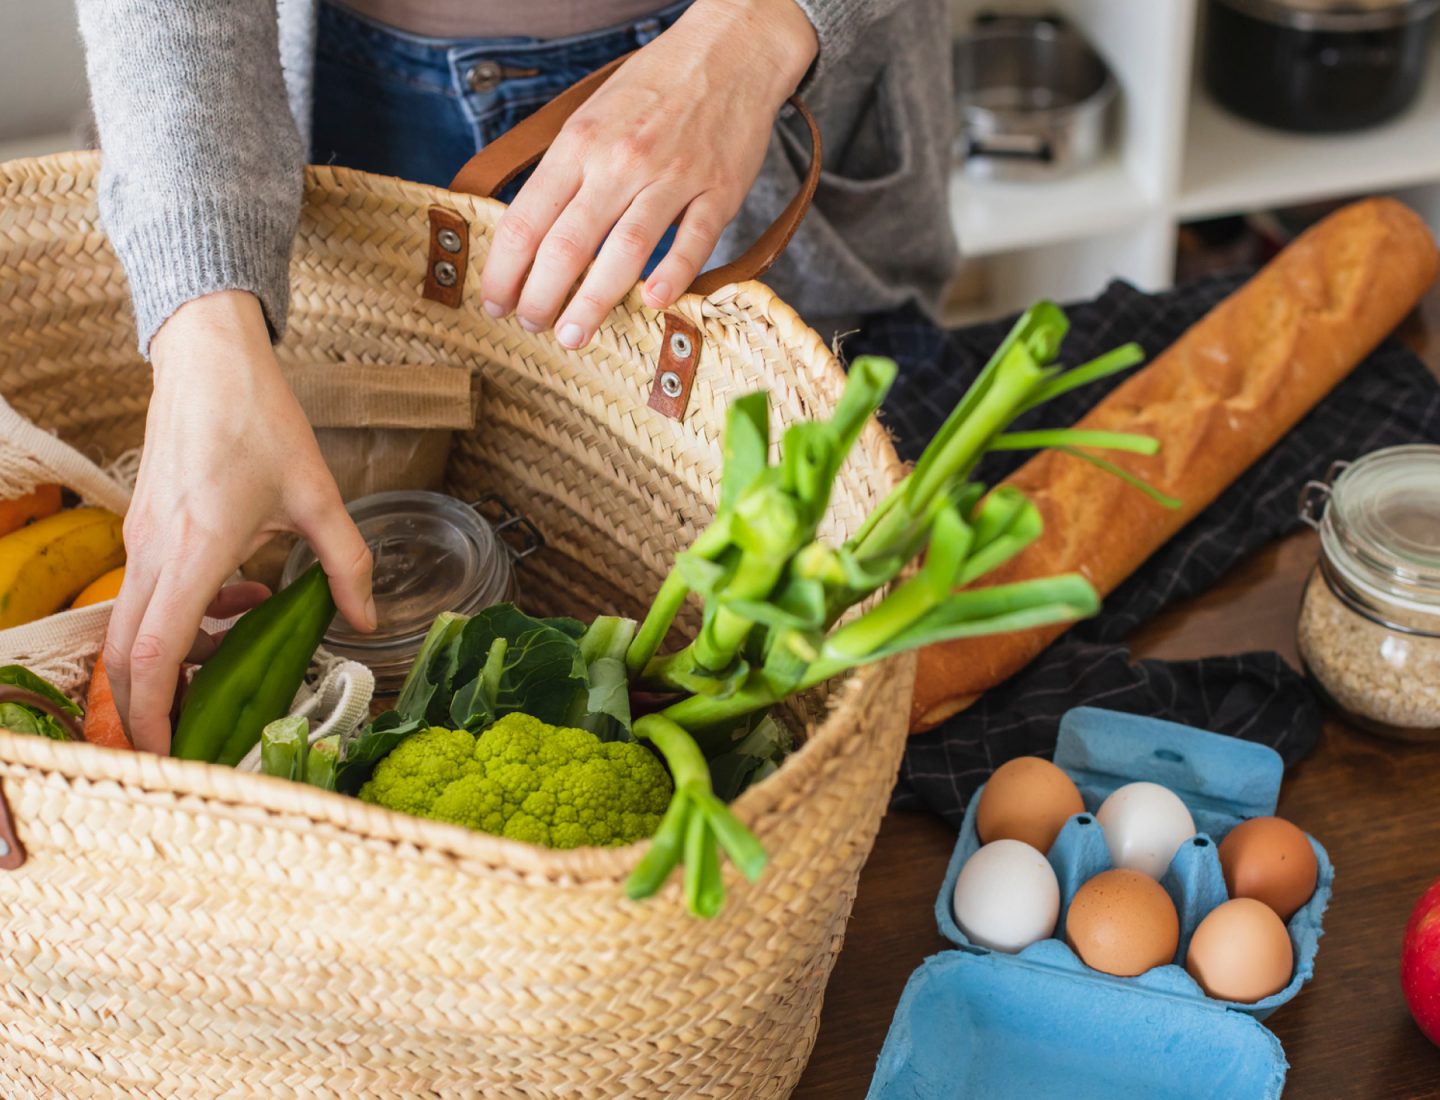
(1336, 15)
(1342, 5)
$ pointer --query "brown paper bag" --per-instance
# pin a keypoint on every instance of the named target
(380, 428)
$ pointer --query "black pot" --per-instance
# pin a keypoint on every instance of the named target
(1319, 66)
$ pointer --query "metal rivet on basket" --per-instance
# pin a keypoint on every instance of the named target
(670, 383)
(4, 848)
(680, 346)
(449, 240)
(445, 273)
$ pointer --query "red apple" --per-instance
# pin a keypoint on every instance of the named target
(1420, 963)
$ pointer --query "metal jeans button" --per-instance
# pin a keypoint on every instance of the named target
(484, 76)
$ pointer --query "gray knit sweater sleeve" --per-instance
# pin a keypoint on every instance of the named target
(202, 162)
(838, 26)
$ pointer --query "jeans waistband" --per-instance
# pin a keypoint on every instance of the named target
(418, 56)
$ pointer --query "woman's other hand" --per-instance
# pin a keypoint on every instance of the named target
(229, 461)
(678, 134)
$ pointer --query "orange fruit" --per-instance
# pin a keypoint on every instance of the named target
(104, 587)
(15, 514)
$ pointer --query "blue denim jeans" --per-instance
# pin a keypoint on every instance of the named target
(405, 105)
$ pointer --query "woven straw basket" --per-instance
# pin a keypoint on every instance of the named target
(183, 930)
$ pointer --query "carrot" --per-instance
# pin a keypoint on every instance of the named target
(15, 514)
(102, 720)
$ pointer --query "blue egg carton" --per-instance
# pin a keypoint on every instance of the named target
(1040, 1023)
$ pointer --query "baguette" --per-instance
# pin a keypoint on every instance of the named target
(1217, 400)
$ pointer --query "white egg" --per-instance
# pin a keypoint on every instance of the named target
(1007, 896)
(1144, 825)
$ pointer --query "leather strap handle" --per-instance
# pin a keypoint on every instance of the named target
(521, 147)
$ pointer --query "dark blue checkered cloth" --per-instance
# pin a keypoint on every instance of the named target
(1389, 399)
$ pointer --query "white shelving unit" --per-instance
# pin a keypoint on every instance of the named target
(1177, 156)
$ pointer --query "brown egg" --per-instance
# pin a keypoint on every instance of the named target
(1270, 860)
(1026, 799)
(1123, 923)
(1241, 952)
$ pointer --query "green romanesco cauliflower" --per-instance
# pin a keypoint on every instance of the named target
(524, 779)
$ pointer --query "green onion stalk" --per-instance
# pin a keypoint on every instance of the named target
(323, 762)
(284, 746)
(775, 594)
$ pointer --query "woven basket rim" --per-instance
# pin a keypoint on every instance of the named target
(759, 807)
(763, 807)
(776, 314)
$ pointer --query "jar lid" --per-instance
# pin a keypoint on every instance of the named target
(1381, 528)
(432, 554)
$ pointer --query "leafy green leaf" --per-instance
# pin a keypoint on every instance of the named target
(505, 620)
(430, 672)
(472, 706)
(1033, 342)
(869, 573)
(739, 842)
(371, 745)
(284, 744)
(998, 609)
(703, 576)
(746, 446)
(571, 628)
(704, 888)
(605, 706)
(808, 464)
(788, 654)
(733, 773)
(799, 604)
(1006, 522)
(760, 744)
(1075, 437)
(950, 542)
(1112, 362)
(1162, 499)
(19, 718)
(608, 701)
(866, 383)
(681, 674)
(666, 848)
(21, 677)
(540, 677)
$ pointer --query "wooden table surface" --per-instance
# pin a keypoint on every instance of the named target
(1374, 804)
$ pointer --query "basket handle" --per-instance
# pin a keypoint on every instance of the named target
(12, 852)
(522, 146)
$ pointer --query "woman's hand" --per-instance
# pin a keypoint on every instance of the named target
(678, 133)
(229, 461)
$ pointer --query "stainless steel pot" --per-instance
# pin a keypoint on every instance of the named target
(1033, 98)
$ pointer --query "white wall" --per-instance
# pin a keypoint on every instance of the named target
(42, 75)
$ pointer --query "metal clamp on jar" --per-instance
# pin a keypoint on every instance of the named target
(433, 553)
(1369, 630)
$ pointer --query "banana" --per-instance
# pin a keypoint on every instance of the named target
(45, 565)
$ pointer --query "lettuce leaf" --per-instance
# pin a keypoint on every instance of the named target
(20, 718)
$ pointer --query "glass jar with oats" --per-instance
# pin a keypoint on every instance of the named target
(1369, 631)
